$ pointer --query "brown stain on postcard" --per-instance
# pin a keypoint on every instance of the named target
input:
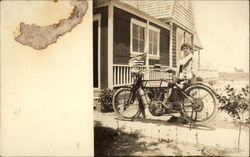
(40, 37)
(77, 145)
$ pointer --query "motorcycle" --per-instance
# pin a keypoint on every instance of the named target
(196, 102)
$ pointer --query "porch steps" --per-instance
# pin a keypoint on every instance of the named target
(96, 97)
(97, 92)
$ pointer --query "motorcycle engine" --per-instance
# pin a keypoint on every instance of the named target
(159, 104)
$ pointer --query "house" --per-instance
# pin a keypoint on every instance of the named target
(125, 28)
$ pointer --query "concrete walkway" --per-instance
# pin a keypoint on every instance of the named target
(158, 127)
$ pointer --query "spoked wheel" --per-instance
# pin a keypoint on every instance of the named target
(122, 107)
(204, 108)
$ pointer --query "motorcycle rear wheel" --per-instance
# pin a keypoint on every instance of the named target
(205, 108)
(122, 107)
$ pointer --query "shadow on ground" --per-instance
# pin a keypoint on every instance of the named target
(113, 142)
(159, 122)
(110, 142)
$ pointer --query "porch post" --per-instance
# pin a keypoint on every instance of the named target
(170, 46)
(147, 49)
(110, 44)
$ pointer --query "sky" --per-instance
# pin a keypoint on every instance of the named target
(223, 27)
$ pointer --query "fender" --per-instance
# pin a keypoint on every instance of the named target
(207, 86)
(215, 103)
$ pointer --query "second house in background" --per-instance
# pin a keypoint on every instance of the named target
(123, 29)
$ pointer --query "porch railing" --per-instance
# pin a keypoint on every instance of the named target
(122, 74)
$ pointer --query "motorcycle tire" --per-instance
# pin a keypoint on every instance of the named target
(206, 104)
(122, 108)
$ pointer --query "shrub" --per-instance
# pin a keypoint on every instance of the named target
(236, 103)
(106, 100)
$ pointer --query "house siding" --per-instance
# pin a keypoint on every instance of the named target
(156, 8)
(104, 44)
(121, 46)
(167, 9)
(164, 47)
(177, 42)
(184, 15)
(133, 3)
(121, 41)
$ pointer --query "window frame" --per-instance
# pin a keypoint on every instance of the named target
(157, 30)
(141, 24)
(180, 38)
(187, 37)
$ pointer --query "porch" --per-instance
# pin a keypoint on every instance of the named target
(122, 74)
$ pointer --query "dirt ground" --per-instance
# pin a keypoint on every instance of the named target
(125, 138)
(111, 142)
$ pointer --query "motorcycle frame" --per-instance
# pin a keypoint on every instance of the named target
(138, 83)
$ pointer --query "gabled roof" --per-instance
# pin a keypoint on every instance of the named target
(157, 8)
(180, 12)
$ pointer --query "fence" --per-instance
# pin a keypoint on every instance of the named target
(122, 74)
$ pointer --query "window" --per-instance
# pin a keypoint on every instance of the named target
(138, 36)
(154, 42)
(188, 38)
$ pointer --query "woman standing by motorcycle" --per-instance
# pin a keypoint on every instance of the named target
(185, 71)
(195, 102)
(186, 62)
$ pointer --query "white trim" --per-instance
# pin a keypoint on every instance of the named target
(153, 57)
(147, 27)
(187, 37)
(97, 17)
(137, 22)
(147, 49)
(180, 25)
(178, 51)
(133, 54)
(154, 28)
(141, 14)
(171, 46)
(110, 44)
(141, 24)
(134, 11)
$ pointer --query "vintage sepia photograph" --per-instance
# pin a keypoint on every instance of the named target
(46, 78)
(124, 78)
(171, 78)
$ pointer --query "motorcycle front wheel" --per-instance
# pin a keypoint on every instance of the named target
(122, 107)
(205, 106)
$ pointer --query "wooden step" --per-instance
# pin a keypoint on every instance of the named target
(97, 105)
(97, 93)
